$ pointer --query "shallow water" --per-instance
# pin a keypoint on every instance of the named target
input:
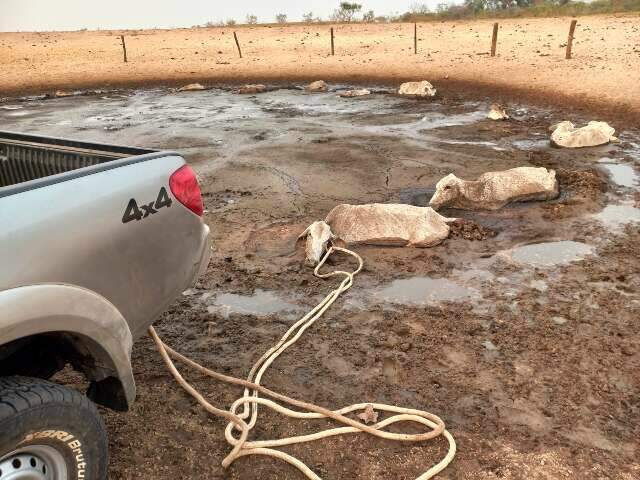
(261, 304)
(532, 144)
(551, 253)
(217, 124)
(422, 291)
(623, 175)
(619, 215)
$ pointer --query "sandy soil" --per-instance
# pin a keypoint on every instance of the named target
(530, 63)
(533, 368)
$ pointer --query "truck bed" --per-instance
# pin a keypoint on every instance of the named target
(24, 158)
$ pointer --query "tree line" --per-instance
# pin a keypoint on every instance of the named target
(348, 12)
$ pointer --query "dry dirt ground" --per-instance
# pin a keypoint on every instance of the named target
(530, 61)
(533, 367)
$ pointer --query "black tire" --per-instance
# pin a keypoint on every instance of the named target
(40, 416)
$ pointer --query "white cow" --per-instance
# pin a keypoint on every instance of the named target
(497, 112)
(318, 236)
(493, 190)
(252, 89)
(358, 92)
(388, 224)
(317, 86)
(566, 134)
(417, 89)
(192, 87)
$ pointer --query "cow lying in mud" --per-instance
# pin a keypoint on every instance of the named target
(376, 224)
(494, 190)
(388, 224)
(566, 134)
(318, 235)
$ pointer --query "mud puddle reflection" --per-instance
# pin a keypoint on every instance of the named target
(547, 254)
(623, 175)
(422, 291)
(617, 216)
(261, 304)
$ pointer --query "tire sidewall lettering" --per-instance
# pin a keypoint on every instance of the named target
(72, 447)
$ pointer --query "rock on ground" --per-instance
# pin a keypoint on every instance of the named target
(417, 89)
(388, 224)
(566, 134)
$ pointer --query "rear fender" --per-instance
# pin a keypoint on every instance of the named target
(96, 326)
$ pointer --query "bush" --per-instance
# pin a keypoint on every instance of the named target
(369, 17)
(281, 18)
(346, 12)
(252, 19)
(517, 8)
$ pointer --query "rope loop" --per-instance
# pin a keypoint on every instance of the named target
(250, 398)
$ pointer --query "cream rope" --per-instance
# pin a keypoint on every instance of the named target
(250, 399)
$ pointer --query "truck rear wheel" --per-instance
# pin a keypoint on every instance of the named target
(49, 432)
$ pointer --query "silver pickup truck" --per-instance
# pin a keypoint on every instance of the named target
(95, 242)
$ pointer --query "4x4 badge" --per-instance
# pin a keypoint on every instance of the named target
(135, 212)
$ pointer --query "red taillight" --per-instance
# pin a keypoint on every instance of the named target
(184, 186)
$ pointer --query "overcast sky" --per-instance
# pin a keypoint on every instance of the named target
(76, 14)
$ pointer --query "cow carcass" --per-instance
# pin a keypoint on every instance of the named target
(388, 224)
(566, 134)
(417, 89)
(318, 235)
(494, 190)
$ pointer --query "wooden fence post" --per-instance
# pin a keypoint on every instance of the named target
(572, 29)
(415, 38)
(494, 39)
(237, 44)
(124, 48)
(333, 51)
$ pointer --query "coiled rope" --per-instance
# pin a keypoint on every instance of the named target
(252, 388)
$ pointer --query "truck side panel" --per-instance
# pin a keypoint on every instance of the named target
(87, 232)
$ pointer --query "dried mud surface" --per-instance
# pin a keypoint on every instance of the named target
(533, 367)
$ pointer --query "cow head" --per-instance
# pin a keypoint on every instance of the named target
(447, 190)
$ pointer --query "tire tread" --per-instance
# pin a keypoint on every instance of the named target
(24, 397)
(22, 393)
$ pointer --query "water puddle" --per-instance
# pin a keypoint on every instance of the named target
(16, 112)
(528, 144)
(551, 253)
(440, 120)
(467, 142)
(261, 304)
(621, 174)
(422, 291)
(618, 215)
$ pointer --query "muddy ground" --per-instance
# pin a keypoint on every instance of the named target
(530, 58)
(530, 354)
